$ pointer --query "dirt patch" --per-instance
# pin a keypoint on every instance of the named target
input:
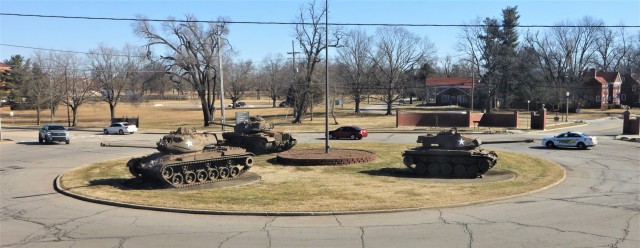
(320, 157)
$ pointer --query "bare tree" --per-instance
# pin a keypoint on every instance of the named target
(36, 87)
(191, 58)
(310, 33)
(355, 65)
(112, 71)
(564, 54)
(240, 80)
(611, 47)
(397, 52)
(275, 74)
(76, 82)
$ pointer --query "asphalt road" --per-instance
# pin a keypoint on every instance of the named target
(598, 205)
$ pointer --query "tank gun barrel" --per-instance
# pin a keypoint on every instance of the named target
(507, 141)
(103, 144)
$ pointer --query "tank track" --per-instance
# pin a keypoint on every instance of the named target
(449, 166)
(167, 173)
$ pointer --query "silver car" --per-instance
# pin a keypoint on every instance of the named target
(53, 132)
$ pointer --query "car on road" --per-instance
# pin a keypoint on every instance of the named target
(53, 132)
(348, 132)
(120, 128)
(237, 105)
(570, 139)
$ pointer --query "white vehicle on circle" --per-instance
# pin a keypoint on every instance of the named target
(120, 128)
(570, 139)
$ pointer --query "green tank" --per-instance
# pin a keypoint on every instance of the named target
(187, 158)
(257, 136)
(449, 154)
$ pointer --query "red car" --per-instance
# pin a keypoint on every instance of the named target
(350, 132)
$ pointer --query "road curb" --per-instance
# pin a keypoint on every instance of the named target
(59, 189)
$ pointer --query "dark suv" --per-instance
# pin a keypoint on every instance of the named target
(53, 132)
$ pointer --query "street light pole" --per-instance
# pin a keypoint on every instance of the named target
(566, 119)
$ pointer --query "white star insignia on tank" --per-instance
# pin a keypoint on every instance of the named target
(189, 143)
(461, 142)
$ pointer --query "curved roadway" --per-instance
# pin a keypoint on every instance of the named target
(598, 205)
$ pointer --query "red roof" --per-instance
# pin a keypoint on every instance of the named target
(449, 81)
(603, 77)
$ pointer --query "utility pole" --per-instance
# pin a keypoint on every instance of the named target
(293, 63)
(294, 69)
(221, 78)
(326, 82)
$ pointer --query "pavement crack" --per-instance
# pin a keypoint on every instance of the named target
(362, 237)
(231, 237)
(337, 220)
(470, 233)
(625, 230)
(264, 228)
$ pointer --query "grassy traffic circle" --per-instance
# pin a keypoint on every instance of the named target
(357, 187)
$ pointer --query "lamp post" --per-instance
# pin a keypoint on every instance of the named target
(566, 118)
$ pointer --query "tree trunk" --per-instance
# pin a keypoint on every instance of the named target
(357, 106)
(389, 104)
(112, 108)
(38, 115)
(75, 116)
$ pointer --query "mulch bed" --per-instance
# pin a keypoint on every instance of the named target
(319, 157)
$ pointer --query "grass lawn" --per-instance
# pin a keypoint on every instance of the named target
(358, 187)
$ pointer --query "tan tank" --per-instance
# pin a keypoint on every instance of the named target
(450, 154)
(187, 158)
(257, 136)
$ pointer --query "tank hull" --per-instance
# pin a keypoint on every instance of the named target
(449, 163)
(260, 143)
(188, 169)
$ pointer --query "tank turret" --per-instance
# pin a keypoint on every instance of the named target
(256, 135)
(450, 154)
(186, 157)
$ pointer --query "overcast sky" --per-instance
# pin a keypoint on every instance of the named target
(254, 42)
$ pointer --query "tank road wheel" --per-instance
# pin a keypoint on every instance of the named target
(472, 171)
(459, 171)
(202, 175)
(214, 174)
(167, 172)
(176, 180)
(234, 171)
(446, 169)
(224, 172)
(484, 165)
(420, 169)
(248, 161)
(189, 177)
(408, 161)
(434, 169)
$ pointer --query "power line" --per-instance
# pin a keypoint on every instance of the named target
(308, 23)
(68, 51)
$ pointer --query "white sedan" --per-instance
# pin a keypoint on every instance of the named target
(570, 139)
(120, 128)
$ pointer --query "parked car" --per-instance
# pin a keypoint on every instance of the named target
(120, 128)
(570, 139)
(284, 104)
(350, 132)
(53, 132)
(238, 104)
